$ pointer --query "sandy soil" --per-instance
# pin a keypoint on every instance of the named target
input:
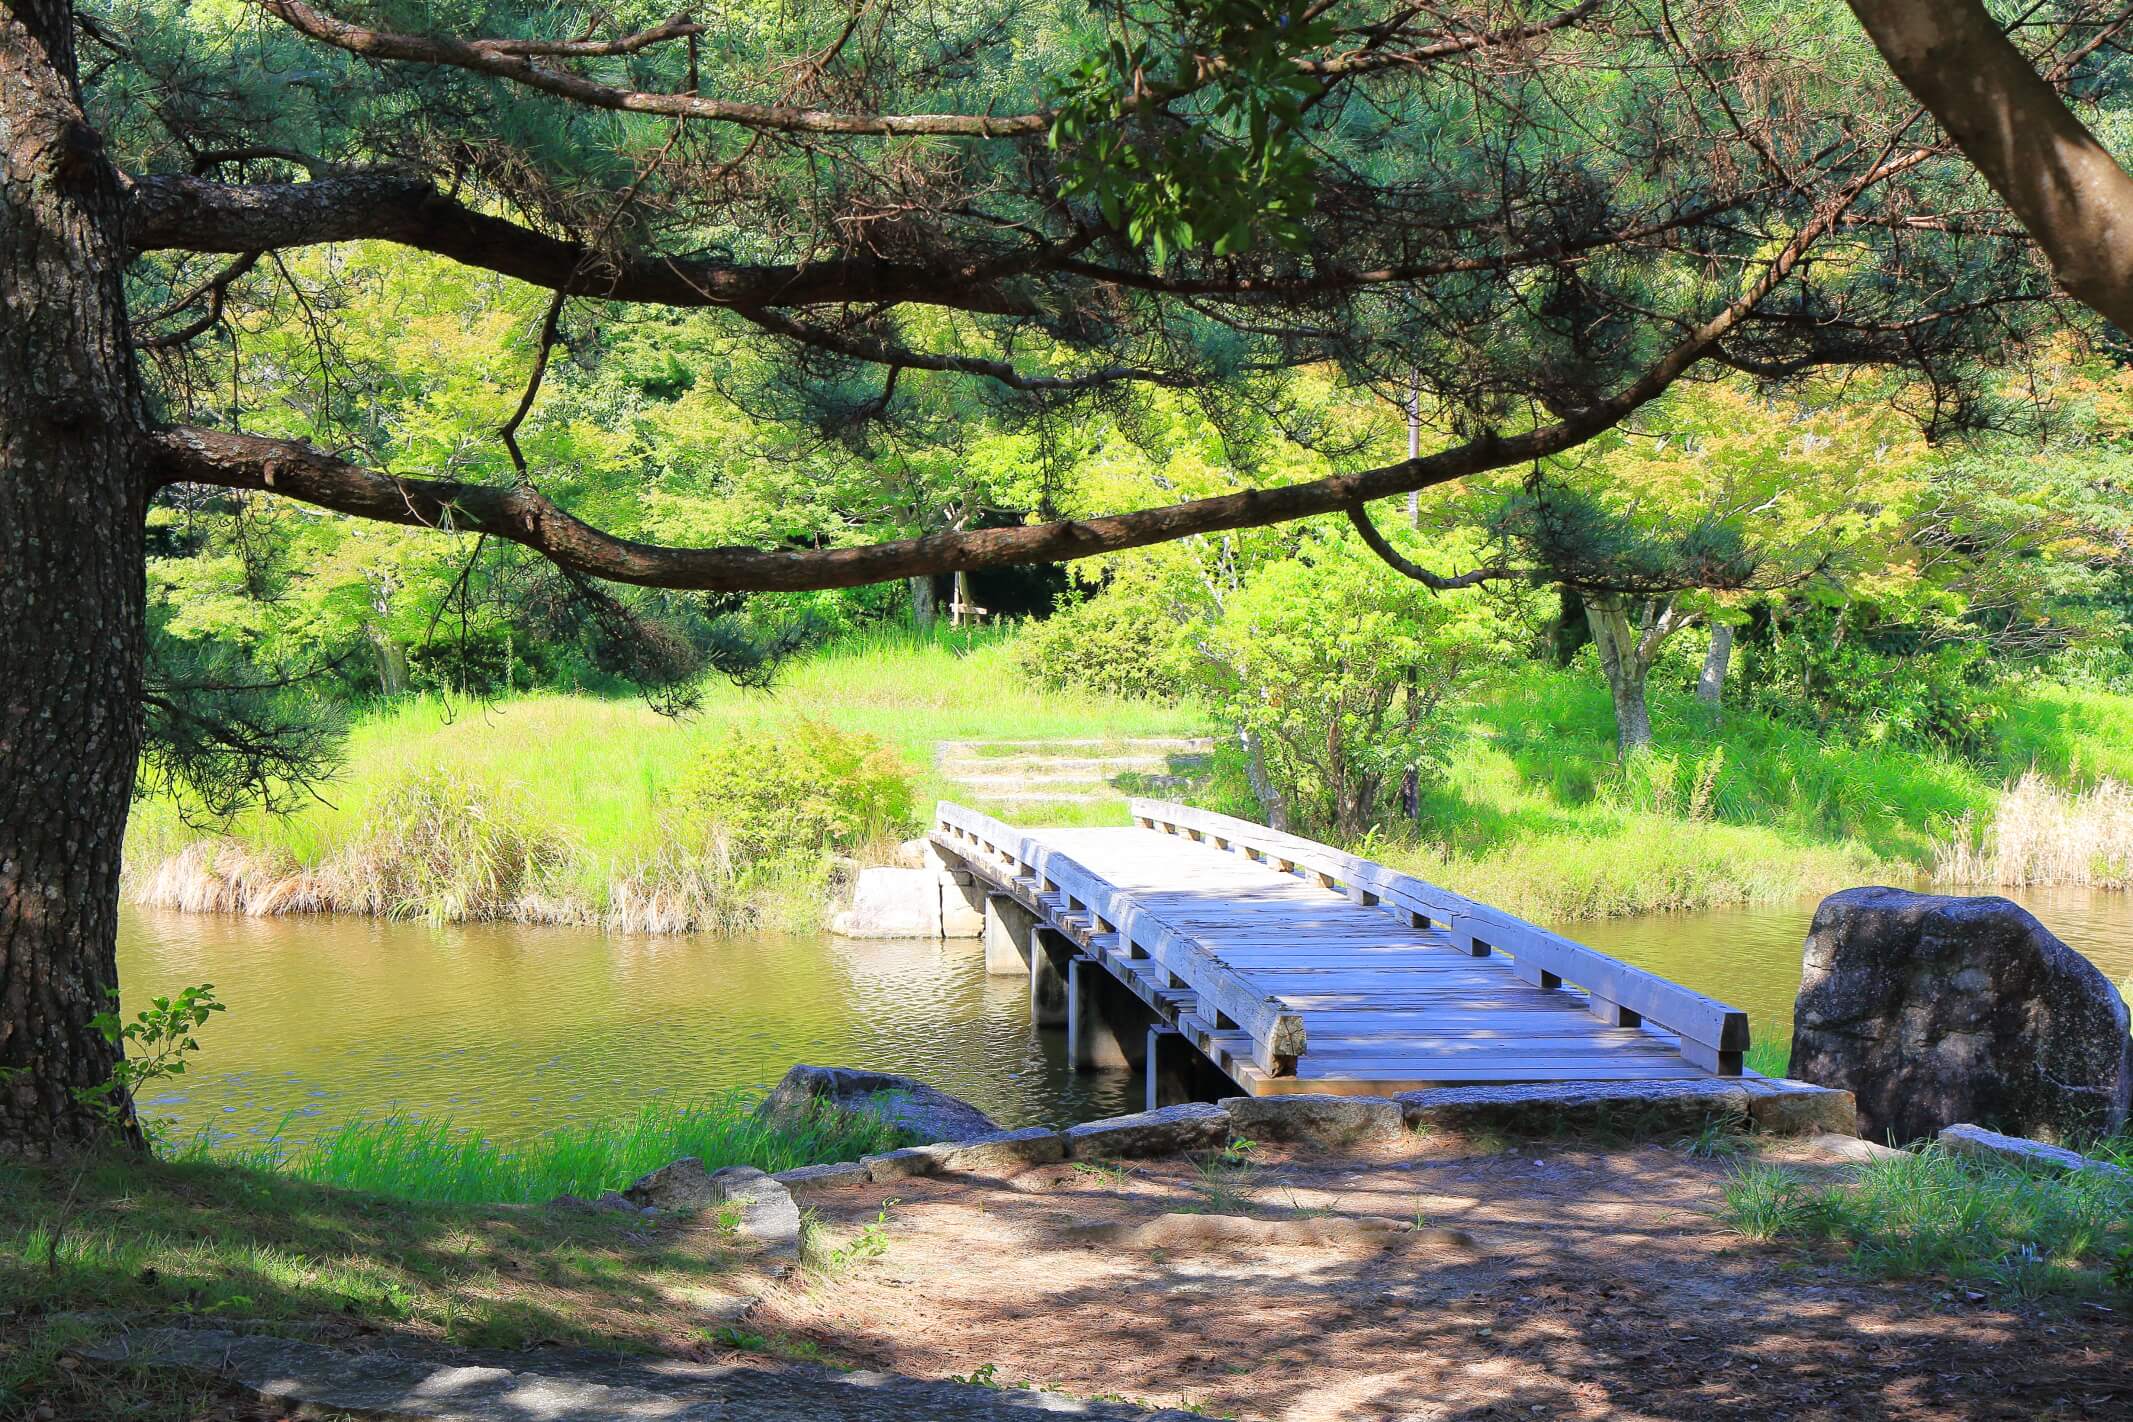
(1548, 1282)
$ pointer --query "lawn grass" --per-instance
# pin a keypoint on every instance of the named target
(410, 1158)
(2019, 1234)
(589, 783)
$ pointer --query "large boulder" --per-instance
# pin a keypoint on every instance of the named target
(924, 1113)
(1935, 1010)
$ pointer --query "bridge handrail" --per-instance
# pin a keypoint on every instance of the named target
(1277, 1032)
(1713, 1034)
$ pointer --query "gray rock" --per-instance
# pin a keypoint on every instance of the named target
(1001, 1153)
(1004, 1152)
(816, 1177)
(312, 1380)
(681, 1184)
(903, 1164)
(767, 1213)
(615, 1200)
(1781, 1107)
(1935, 1010)
(1852, 1148)
(1981, 1144)
(1629, 1108)
(1169, 1131)
(922, 1112)
(1316, 1119)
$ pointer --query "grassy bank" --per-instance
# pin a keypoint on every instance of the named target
(414, 1159)
(1536, 815)
(562, 809)
(555, 808)
(1930, 1214)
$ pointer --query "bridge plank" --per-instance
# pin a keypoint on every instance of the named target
(1376, 1002)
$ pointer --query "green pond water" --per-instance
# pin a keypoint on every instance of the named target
(512, 1030)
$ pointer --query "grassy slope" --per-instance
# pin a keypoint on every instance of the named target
(1534, 813)
(603, 770)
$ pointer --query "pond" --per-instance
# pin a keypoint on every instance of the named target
(511, 1030)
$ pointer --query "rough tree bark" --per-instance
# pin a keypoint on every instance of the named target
(1711, 682)
(2065, 186)
(73, 461)
(1627, 650)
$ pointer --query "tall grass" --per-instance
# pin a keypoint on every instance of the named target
(562, 809)
(2041, 833)
(1929, 1212)
(411, 1158)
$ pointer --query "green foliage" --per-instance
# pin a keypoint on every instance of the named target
(414, 1159)
(153, 1047)
(1236, 176)
(1118, 644)
(1340, 669)
(1931, 1213)
(1822, 666)
(803, 789)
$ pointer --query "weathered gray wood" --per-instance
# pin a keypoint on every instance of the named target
(1545, 958)
(1278, 1032)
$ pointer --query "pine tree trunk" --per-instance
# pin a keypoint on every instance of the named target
(73, 487)
(1711, 682)
(1626, 671)
(925, 602)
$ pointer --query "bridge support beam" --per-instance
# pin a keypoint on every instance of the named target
(1097, 1040)
(1179, 1072)
(1048, 954)
(1008, 926)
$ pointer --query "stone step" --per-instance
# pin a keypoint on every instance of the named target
(1199, 744)
(574, 1387)
(1086, 764)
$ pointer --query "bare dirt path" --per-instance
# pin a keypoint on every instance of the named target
(1555, 1282)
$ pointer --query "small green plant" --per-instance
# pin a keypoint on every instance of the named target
(1224, 1181)
(1718, 1139)
(153, 1047)
(983, 1375)
(727, 1335)
(871, 1242)
(1113, 1173)
(1764, 1201)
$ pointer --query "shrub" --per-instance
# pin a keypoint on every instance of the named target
(1116, 644)
(1340, 669)
(803, 789)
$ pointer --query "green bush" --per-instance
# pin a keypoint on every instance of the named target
(803, 789)
(1117, 644)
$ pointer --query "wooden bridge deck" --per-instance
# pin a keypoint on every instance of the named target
(1295, 967)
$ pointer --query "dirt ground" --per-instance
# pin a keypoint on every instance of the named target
(1554, 1282)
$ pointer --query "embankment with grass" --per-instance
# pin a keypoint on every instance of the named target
(1535, 813)
(567, 809)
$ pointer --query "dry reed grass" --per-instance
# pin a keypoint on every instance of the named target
(2042, 834)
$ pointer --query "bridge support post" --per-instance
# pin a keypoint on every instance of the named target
(1178, 1072)
(1093, 1042)
(1048, 953)
(1007, 931)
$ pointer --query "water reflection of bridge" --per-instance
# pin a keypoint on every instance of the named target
(1293, 966)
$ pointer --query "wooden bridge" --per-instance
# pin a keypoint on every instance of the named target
(1293, 966)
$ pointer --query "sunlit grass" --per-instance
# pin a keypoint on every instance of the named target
(1930, 1213)
(411, 1158)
